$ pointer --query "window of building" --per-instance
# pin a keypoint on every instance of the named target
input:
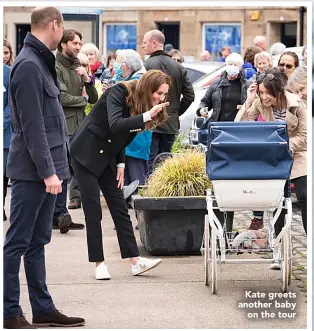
(216, 36)
(119, 36)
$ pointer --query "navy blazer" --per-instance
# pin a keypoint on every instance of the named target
(39, 141)
(106, 131)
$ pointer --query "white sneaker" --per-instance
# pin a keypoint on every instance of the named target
(144, 265)
(102, 272)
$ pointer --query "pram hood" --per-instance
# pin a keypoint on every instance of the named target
(248, 150)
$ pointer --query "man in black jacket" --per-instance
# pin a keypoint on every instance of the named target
(37, 165)
(164, 135)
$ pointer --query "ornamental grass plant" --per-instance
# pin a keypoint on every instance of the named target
(181, 175)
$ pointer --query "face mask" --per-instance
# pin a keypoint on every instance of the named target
(117, 70)
(232, 71)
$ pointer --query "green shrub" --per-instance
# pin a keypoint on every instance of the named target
(181, 175)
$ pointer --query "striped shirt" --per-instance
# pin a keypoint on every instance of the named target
(280, 115)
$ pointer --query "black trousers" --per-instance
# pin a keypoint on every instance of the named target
(300, 185)
(89, 185)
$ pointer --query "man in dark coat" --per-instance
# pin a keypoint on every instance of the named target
(164, 135)
(37, 165)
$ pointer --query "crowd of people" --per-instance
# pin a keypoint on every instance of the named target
(73, 121)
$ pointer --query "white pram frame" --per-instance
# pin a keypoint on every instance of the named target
(215, 239)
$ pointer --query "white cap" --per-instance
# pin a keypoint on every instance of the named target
(131, 58)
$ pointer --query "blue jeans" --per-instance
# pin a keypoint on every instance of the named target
(30, 230)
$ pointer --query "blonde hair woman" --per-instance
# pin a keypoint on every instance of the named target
(94, 57)
(263, 61)
(297, 83)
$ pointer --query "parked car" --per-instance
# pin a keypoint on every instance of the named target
(211, 71)
(197, 70)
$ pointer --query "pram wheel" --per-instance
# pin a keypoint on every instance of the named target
(206, 249)
(213, 241)
(286, 261)
(290, 257)
(210, 256)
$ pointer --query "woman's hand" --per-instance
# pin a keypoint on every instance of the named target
(120, 177)
(204, 112)
(156, 109)
(251, 93)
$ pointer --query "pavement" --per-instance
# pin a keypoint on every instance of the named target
(171, 296)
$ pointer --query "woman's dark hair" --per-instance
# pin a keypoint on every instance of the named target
(111, 55)
(140, 92)
(292, 54)
(250, 53)
(274, 81)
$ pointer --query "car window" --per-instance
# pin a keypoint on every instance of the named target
(209, 78)
(194, 75)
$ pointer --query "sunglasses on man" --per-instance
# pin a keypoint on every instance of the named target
(287, 65)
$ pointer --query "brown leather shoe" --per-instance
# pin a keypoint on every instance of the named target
(57, 319)
(74, 204)
(256, 224)
(17, 323)
(64, 223)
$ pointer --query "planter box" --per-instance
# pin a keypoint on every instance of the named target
(170, 226)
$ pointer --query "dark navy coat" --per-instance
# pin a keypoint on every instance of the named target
(39, 145)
